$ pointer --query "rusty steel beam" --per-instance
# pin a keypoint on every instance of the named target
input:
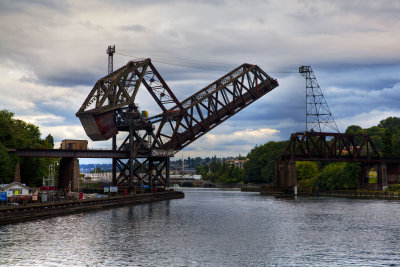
(179, 123)
(317, 146)
(70, 153)
(206, 109)
(120, 89)
(110, 108)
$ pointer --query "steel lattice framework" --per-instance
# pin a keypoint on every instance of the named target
(316, 146)
(110, 108)
(318, 114)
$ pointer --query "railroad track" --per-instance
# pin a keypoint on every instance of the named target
(37, 211)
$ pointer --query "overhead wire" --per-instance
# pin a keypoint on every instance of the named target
(198, 63)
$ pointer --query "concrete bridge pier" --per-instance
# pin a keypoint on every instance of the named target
(285, 175)
(69, 174)
(363, 179)
(382, 177)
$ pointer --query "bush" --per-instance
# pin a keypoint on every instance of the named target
(336, 176)
(306, 170)
(394, 187)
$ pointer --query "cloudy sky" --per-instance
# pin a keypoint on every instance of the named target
(53, 52)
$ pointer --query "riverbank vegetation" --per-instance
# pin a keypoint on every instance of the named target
(259, 167)
(15, 133)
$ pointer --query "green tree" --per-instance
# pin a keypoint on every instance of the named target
(390, 122)
(7, 165)
(18, 134)
(50, 140)
(260, 167)
(336, 176)
(387, 142)
(354, 129)
(306, 170)
(329, 176)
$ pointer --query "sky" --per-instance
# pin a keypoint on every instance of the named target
(53, 52)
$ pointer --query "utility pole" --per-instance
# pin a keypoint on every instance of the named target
(110, 51)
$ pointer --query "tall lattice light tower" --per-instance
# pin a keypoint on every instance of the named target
(318, 115)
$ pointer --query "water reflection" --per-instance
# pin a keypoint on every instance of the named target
(213, 228)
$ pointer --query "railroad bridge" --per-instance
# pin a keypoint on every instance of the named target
(111, 109)
(335, 147)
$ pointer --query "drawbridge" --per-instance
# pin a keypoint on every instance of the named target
(111, 110)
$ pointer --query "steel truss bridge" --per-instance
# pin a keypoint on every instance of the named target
(146, 143)
(334, 147)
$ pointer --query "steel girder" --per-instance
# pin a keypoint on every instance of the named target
(120, 89)
(179, 123)
(196, 115)
(317, 146)
(148, 171)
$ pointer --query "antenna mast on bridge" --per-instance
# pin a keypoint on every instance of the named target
(318, 114)
(110, 51)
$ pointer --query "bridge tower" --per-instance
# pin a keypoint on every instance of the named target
(318, 114)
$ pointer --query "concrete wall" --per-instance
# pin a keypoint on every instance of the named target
(285, 174)
(69, 174)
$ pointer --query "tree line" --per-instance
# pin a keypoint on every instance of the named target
(259, 167)
(15, 133)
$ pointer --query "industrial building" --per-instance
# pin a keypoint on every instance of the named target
(74, 144)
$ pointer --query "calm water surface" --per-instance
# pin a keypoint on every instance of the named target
(213, 228)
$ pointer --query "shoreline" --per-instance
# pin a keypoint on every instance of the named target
(29, 212)
(359, 194)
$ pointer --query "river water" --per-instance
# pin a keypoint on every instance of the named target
(212, 227)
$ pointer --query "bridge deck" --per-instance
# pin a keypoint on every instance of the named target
(69, 153)
(341, 159)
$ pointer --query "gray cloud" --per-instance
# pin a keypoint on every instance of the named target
(135, 28)
(352, 47)
(25, 6)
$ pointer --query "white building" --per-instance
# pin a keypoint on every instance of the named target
(104, 177)
(16, 189)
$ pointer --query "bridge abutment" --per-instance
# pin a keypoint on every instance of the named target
(69, 174)
(363, 179)
(382, 177)
(285, 175)
(17, 173)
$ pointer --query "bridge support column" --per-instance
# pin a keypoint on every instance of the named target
(167, 165)
(69, 174)
(17, 173)
(382, 176)
(150, 174)
(285, 175)
(363, 179)
(393, 173)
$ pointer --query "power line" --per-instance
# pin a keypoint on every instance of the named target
(200, 64)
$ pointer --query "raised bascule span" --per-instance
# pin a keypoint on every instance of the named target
(111, 108)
